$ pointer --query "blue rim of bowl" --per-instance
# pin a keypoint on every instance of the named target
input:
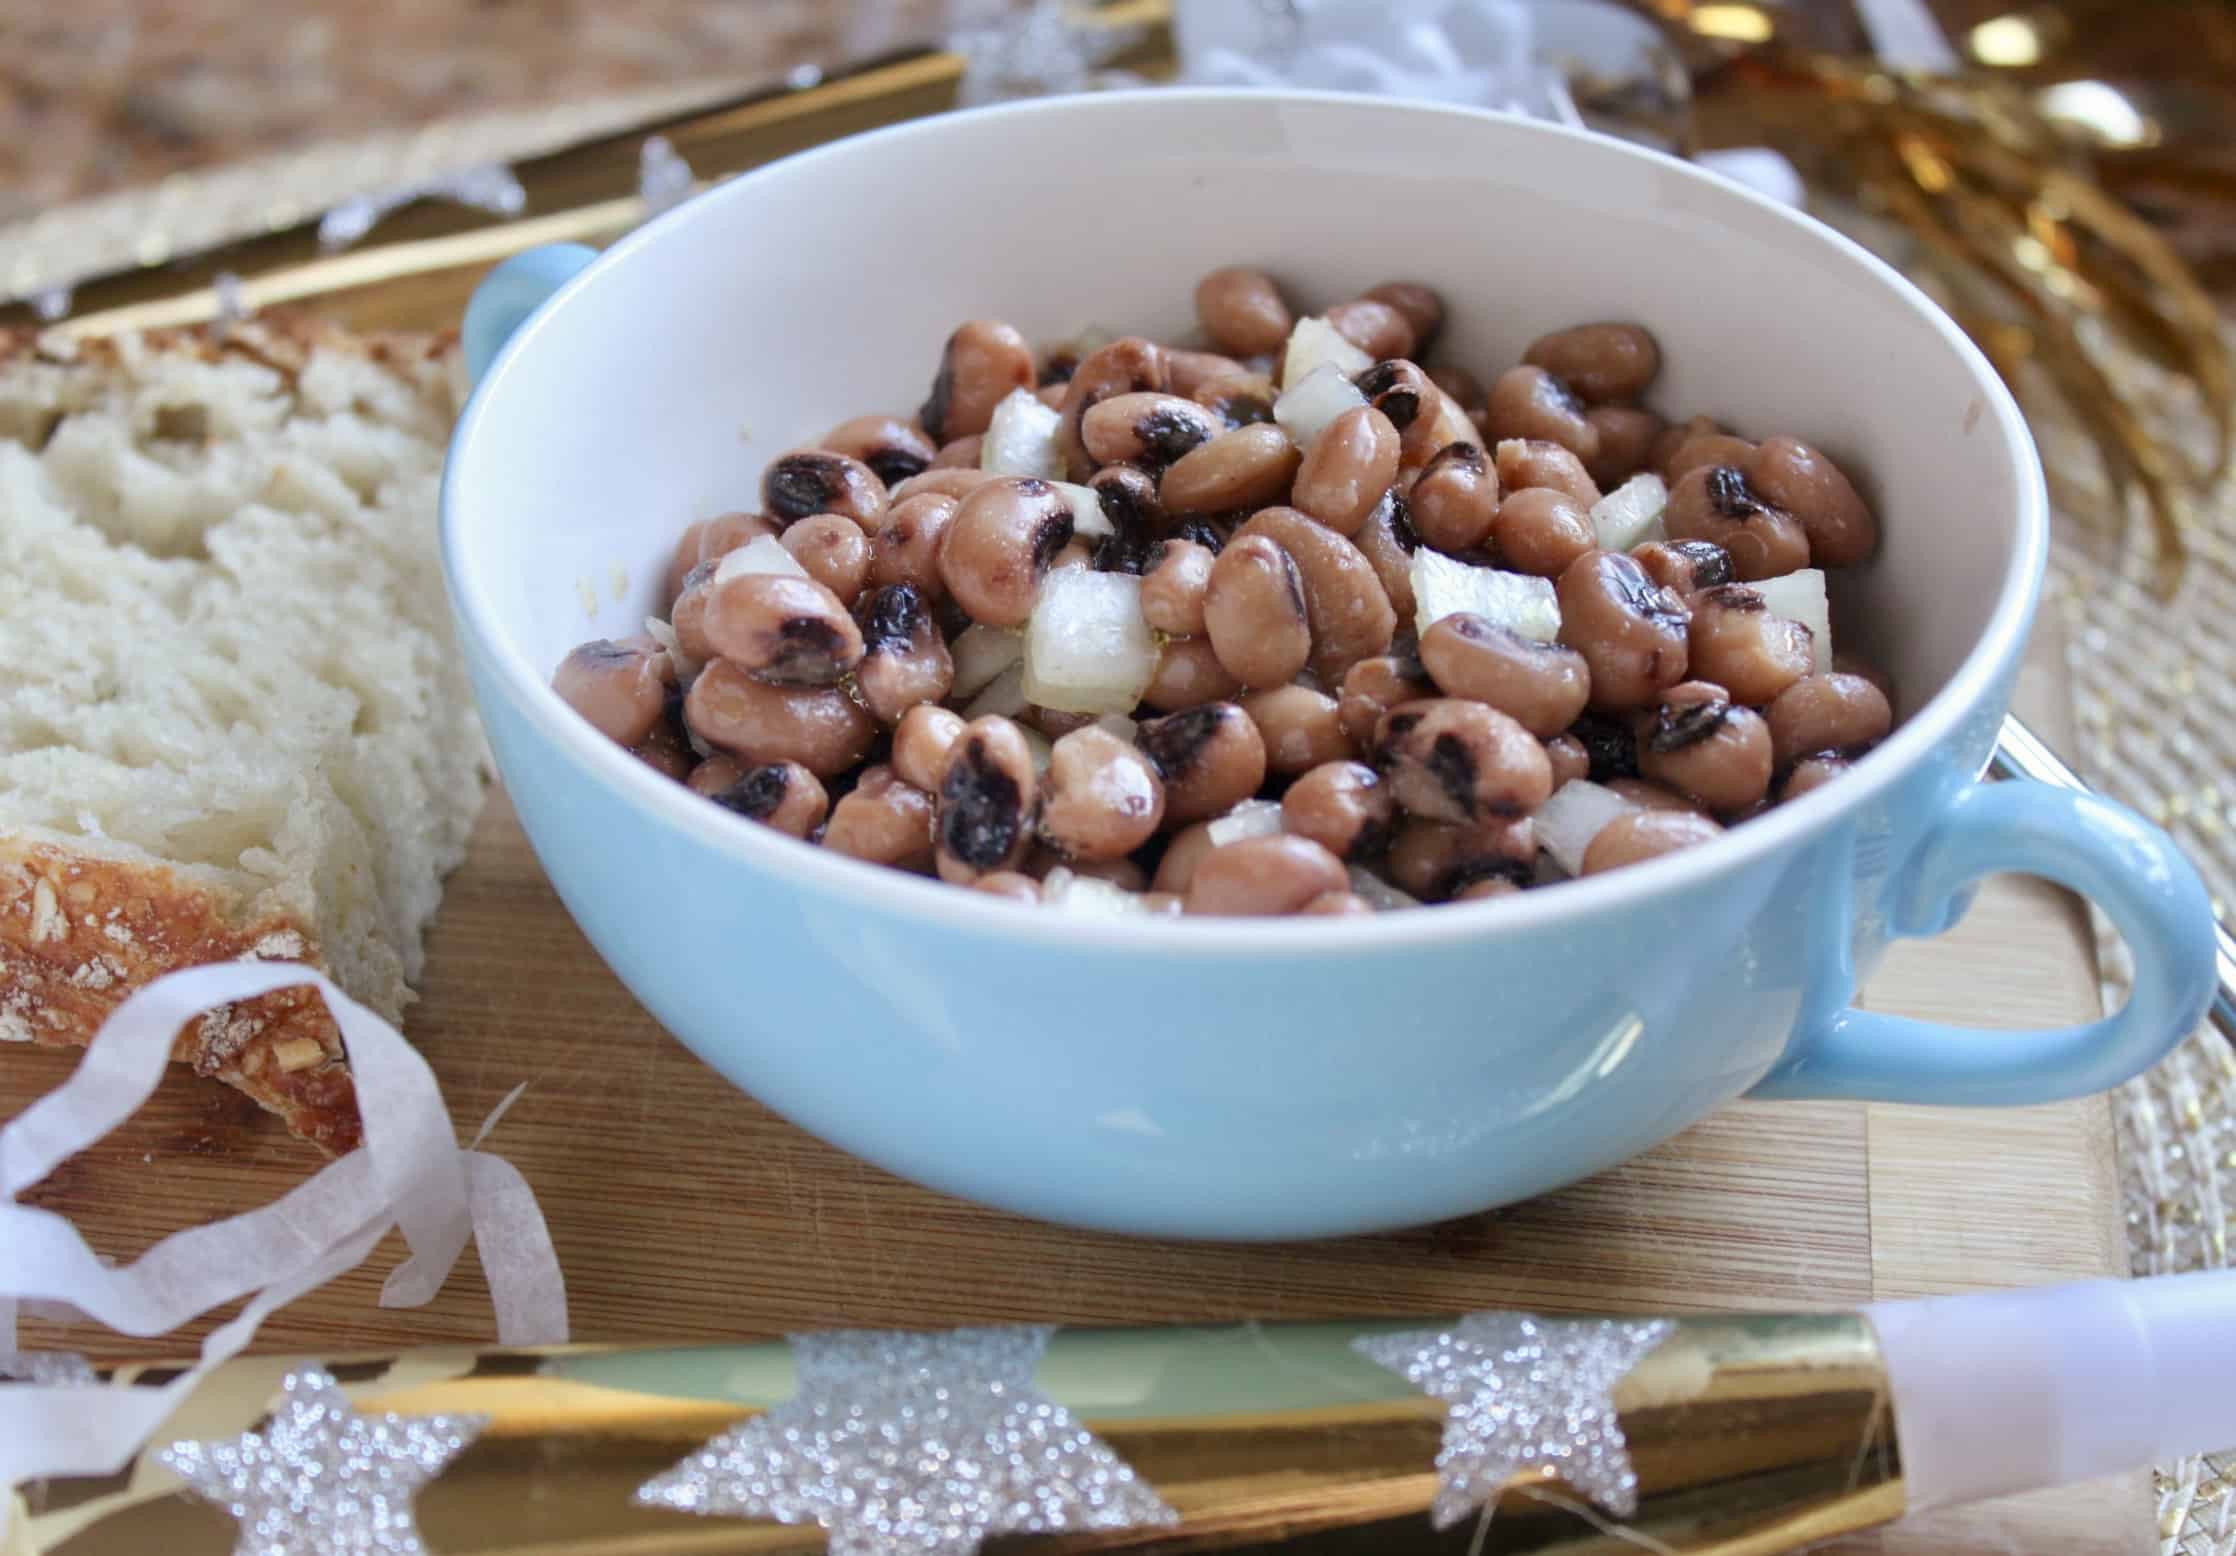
(784, 859)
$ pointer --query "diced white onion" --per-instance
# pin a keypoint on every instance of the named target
(1309, 403)
(686, 668)
(1120, 725)
(1042, 748)
(1315, 342)
(982, 653)
(1569, 820)
(761, 554)
(1801, 597)
(1513, 600)
(1021, 439)
(1089, 895)
(1630, 515)
(1379, 894)
(1087, 517)
(1004, 694)
(1251, 818)
(1087, 650)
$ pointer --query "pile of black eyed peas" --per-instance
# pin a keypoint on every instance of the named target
(1291, 624)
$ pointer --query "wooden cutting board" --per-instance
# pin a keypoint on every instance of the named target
(683, 1210)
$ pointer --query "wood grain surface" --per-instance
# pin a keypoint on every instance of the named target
(681, 1209)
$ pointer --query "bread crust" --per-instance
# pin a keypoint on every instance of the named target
(80, 930)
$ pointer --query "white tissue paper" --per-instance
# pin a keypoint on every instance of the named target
(409, 1174)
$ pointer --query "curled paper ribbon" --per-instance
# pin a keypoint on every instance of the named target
(410, 1174)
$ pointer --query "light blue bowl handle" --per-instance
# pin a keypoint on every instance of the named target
(2105, 852)
(510, 293)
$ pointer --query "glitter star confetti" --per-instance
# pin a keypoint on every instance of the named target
(914, 1445)
(322, 1478)
(1527, 1394)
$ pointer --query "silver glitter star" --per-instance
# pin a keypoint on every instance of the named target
(1527, 1394)
(914, 1444)
(323, 1480)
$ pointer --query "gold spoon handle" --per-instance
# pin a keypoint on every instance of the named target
(2020, 753)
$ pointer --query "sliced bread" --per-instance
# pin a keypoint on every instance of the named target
(233, 724)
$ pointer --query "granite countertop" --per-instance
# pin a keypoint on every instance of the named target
(101, 95)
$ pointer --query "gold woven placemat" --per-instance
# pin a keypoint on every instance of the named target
(2153, 679)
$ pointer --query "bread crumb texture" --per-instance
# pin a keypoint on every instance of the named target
(233, 722)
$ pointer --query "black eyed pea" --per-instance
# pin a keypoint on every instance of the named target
(1398, 389)
(1348, 471)
(1254, 613)
(1237, 399)
(1173, 581)
(905, 662)
(1610, 746)
(1530, 404)
(1706, 448)
(621, 688)
(1344, 806)
(1645, 834)
(665, 749)
(1336, 904)
(1210, 757)
(954, 484)
(1299, 727)
(1627, 434)
(1189, 672)
(1737, 643)
(1374, 327)
(1009, 883)
(982, 362)
(1843, 714)
(1243, 311)
(1387, 541)
(715, 774)
(821, 728)
(1600, 362)
(1630, 630)
(1486, 887)
(1052, 395)
(1245, 468)
(987, 797)
(1264, 876)
(783, 795)
(921, 742)
(1644, 795)
(1718, 503)
(1371, 688)
(1184, 850)
(1100, 798)
(785, 630)
(1001, 544)
(1674, 436)
(1420, 306)
(1186, 372)
(1846, 663)
(1434, 859)
(1439, 424)
(1569, 758)
(1128, 495)
(1542, 531)
(813, 480)
(893, 448)
(1685, 566)
(1702, 744)
(834, 551)
(1460, 386)
(1461, 762)
(1536, 462)
(1152, 430)
(688, 615)
(1349, 612)
(1795, 477)
(960, 453)
(1128, 365)
(883, 820)
(1541, 686)
(906, 550)
(1055, 723)
(710, 540)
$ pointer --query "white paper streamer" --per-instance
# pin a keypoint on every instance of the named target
(409, 1174)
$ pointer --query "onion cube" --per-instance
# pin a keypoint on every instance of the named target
(1314, 343)
(1021, 439)
(1087, 517)
(1630, 515)
(1516, 601)
(1003, 695)
(1250, 818)
(1380, 895)
(981, 653)
(1069, 892)
(1307, 406)
(1569, 820)
(1087, 650)
(761, 554)
(1801, 597)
